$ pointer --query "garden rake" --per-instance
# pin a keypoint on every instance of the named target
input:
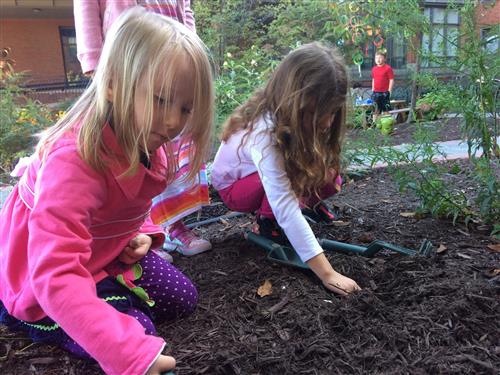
(425, 248)
(288, 256)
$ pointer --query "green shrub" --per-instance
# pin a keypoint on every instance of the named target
(435, 103)
(240, 76)
(20, 120)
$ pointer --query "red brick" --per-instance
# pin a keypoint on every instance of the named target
(35, 46)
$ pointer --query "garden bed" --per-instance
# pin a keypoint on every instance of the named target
(414, 315)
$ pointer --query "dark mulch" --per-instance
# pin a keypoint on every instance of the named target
(414, 315)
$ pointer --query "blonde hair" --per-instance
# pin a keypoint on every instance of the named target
(312, 78)
(136, 49)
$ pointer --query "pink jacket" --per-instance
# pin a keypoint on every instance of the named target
(94, 17)
(61, 226)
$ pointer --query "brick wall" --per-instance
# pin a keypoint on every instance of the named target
(488, 15)
(35, 46)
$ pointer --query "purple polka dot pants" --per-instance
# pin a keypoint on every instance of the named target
(173, 293)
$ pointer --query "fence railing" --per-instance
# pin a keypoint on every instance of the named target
(50, 86)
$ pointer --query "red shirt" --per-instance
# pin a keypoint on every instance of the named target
(381, 76)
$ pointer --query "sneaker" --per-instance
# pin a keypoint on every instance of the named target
(320, 213)
(183, 240)
(270, 229)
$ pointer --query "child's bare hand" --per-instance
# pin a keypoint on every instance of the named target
(137, 248)
(162, 364)
(340, 284)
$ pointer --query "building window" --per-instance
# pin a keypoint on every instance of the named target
(72, 66)
(442, 41)
(490, 39)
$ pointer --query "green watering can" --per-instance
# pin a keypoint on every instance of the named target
(287, 255)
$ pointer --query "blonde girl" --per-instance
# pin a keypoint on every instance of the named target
(183, 196)
(280, 151)
(75, 270)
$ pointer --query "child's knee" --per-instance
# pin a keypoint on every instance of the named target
(179, 297)
(191, 299)
(186, 297)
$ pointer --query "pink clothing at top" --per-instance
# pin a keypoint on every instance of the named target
(381, 76)
(248, 195)
(93, 18)
(60, 228)
(259, 153)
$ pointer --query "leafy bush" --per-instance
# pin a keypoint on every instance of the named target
(435, 103)
(240, 76)
(488, 198)
(20, 120)
(439, 97)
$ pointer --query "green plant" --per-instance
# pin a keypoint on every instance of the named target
(240, 76)
(435, 103)
(20, 120)
(478, 67)
(414, 169)
(357, 118)
(488, 197)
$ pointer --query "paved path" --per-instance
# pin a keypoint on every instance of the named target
(452, 149)
(4, 191)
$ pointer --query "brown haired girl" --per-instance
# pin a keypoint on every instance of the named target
(280, 151)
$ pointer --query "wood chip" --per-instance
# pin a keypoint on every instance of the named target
(407, 214)
(340, 223)
(441, 249)
(265, 289)
(494, 247)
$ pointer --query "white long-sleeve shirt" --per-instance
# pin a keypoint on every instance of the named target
(260, 153)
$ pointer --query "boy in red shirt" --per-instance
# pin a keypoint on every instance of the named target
(382, 83)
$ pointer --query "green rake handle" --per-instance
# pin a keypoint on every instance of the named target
(342, 247)
(275, 252)
(425, 248)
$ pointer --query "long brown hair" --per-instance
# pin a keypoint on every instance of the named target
(311, 78)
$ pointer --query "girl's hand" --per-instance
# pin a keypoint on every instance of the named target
(340, 284)
(137, 248)
(162, 364)
(331, 279)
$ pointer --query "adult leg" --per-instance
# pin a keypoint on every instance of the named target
(181, 198)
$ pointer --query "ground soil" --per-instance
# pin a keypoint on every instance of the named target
(415, 315)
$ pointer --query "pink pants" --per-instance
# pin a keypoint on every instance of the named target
(247, 195)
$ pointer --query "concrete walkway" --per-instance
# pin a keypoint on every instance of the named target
(452, 149)
(4, 191)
